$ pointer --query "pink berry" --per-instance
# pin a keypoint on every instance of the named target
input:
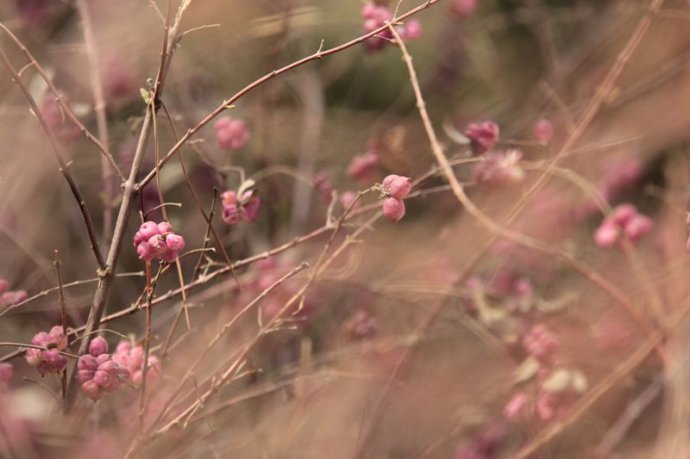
(397, 186)
(231, 134)
(393, 209)
(6, 372)
(98, 346)
(464, 8)
(174, 242)
(412, 30)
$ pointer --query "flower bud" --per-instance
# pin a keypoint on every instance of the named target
(397, 186)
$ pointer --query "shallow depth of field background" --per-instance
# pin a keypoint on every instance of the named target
(392, 388)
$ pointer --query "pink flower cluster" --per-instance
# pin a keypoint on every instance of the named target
(97, 372)
(157, 240)
(376, 16)
(243, 209)
(395, 188)
(132, 358)
(624, 220)
(483, 136)
(541, 343)
(499, 167)
(10, 297)
(49, 359)
(231, 134)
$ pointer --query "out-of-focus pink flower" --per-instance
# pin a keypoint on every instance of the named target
(393, 209)
(132, 358)
(362, 167)
(324, 187)
(483, 136)
(57, 120)
(499, 167)
(237, 210)
(624, 220)
(376, 16)
(411, 30)
(231, 134)
(348, 198)
(49, 359)
(516, 410)
(464, 8)
(12, 297)
(543, 131)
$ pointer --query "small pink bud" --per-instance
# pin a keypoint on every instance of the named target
(231, 134)
(543, 131)
(251, 209)
(397, 186)
(347, 198)
(393, 209)
(98, 346)
(362, 167)
(515, 408)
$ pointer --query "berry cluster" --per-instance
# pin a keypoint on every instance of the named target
(395, 188)
(132, 359)
(49, 359)
(97, 372)
(157, 240)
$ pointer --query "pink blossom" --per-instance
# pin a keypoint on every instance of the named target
(483, 136)
(393, 209)
(397, 186)
(231, 134)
